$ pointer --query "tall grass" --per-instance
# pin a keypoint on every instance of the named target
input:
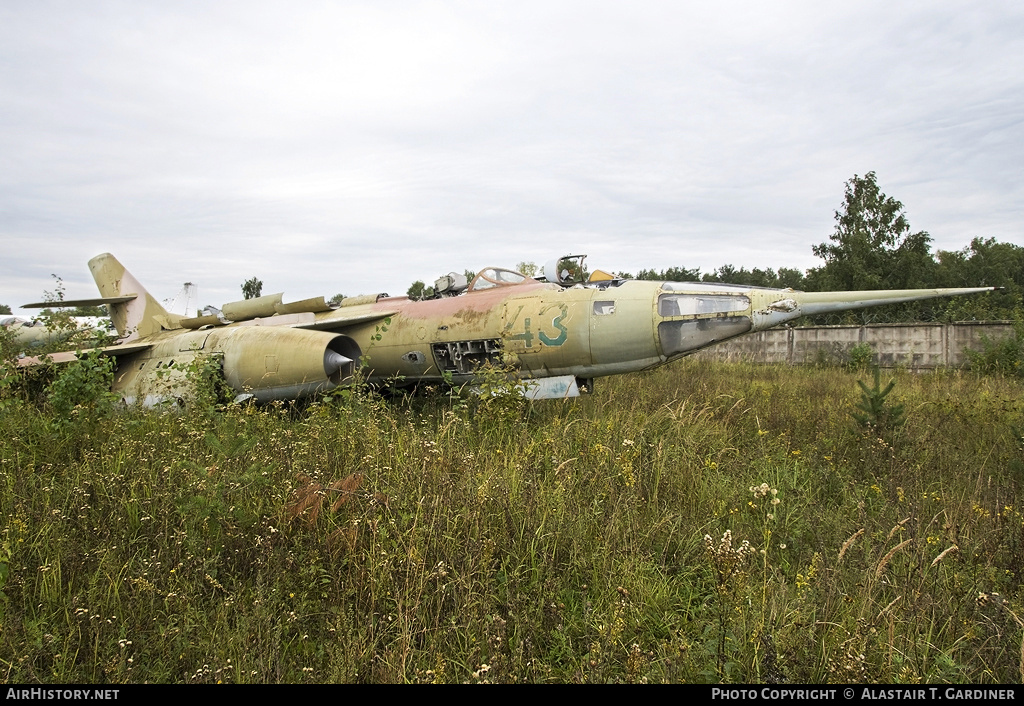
(450, 539)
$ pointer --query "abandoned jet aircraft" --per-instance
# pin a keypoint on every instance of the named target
(31, 333)
(27, 333)
(558, 331)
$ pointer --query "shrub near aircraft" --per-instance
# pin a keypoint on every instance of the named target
(557, 332)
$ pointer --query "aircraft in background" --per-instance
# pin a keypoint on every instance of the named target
(32, 333)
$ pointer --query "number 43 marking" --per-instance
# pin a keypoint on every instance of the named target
(527, 335)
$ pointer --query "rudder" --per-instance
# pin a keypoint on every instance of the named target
(140, 316)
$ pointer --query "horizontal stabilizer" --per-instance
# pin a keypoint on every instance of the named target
(98, 301)
(71, 356)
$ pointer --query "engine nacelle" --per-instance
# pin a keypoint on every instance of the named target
(274, 363)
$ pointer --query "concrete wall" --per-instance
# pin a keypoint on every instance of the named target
(917, 346)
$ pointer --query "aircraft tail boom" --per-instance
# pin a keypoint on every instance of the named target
(811, 303)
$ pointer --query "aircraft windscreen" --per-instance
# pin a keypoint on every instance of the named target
(496, 277)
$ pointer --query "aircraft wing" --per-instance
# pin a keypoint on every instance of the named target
(341, 319)
(70, 356)
(125, 348)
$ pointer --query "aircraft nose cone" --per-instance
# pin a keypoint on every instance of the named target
(334, 362)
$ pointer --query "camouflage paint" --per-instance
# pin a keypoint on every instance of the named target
(542, 329)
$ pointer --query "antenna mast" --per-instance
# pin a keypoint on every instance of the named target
(189, 291)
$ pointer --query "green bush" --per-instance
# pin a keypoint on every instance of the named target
(83, 386)
(1003, 356)
(861, 356)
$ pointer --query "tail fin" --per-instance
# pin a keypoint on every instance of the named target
(140, 316)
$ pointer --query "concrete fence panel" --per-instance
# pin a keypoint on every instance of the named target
(915, 346)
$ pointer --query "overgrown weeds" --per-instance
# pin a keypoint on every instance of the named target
(1004, 356)
(446, 539)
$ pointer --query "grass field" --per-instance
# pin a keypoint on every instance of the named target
(701, 523)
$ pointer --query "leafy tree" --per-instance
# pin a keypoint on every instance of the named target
(88, 311)
(680, 274)
(57, 319)
(756, 277)
(252, 288)
(729, 274)
(336, 299)
(418, 290)
(872, 246)
(528, 268)
(4, 309)
(672, 274)
(790, 277)
(984, 263)
(9, 349)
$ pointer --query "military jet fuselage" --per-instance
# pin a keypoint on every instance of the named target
(556, 335)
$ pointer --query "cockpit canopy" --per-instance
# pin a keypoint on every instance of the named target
(565, 271)
(490, 277)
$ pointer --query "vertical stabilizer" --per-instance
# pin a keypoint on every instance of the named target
(143, 315)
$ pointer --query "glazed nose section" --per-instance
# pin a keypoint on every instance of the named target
(673, 303)
(688, 321)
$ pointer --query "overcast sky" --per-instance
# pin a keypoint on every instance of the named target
(354, 147)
